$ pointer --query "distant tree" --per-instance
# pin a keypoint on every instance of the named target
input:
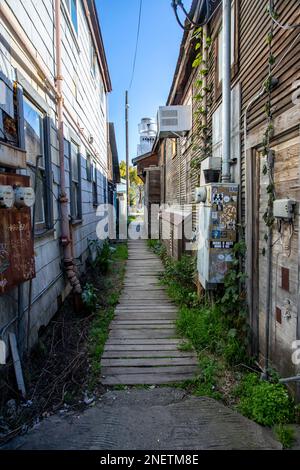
(136, 184)
(123, 169)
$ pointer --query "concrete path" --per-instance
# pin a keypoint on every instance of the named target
(159, 419)
(143, 346)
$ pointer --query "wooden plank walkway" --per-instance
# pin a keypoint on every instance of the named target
(142, 347)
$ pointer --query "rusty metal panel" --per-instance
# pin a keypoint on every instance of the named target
(11, 156)
(17, 263)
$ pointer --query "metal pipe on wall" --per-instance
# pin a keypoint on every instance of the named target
(226, 89)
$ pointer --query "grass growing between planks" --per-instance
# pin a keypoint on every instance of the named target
(105, 313)
(217, 330)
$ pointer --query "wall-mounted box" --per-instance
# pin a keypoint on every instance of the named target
(284, 208)
(217, 233)
(12, 157)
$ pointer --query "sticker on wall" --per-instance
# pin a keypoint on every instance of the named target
(216, 234)
(221, 245)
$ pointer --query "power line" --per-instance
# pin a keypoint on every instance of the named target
(137, 43)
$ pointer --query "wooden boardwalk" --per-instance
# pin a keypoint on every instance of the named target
(142, 347)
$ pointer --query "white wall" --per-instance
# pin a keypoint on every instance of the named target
(83, 95)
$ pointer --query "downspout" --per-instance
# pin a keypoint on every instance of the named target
(65, 225)
(226, 90)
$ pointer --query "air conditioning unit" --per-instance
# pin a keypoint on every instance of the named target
(174, 121)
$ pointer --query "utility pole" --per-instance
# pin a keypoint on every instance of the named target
(127, 150)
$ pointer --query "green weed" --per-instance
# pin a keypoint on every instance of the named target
(285, 435)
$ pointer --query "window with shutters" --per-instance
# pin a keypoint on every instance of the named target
(37, 145)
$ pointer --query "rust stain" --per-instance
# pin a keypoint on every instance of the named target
(17, 262)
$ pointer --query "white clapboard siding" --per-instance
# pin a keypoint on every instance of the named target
(83, 94)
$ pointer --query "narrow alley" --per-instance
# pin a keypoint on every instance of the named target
(143, 346)
(149, 226)
(153, 417)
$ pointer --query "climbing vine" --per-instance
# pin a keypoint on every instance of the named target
(268, 168)
(202, 98)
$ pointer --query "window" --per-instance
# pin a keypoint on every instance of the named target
(75, 180)
(102, 96)
(93, 62)
(234, 47)
(37, 137)
(72, 10)
(217, 142)
(95, 186)
(89, 168)
(93, 59)
(104, 189)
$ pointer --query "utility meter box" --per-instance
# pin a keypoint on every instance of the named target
(24, 197)
(217, 233)
(7, 197)
(284, 209)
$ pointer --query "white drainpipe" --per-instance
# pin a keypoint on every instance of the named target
(226, 88)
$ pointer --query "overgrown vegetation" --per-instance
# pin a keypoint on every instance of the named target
(267, 403)
(285, 435)
(63, 371)
(100, 326)
(216, 328)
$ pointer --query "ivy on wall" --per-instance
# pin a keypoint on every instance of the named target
(202, 98)
(268, 168)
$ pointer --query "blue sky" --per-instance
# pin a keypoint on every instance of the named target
(159, 44)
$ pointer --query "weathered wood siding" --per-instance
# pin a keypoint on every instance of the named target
(249, 72)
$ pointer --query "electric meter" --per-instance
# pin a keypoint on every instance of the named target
(7, 197)
(200, 194)
(25, 197)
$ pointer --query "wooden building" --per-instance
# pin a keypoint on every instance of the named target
(53, 76)
(149, 172)
(265, 141)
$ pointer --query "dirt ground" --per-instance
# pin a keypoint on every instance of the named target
(59, 373)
